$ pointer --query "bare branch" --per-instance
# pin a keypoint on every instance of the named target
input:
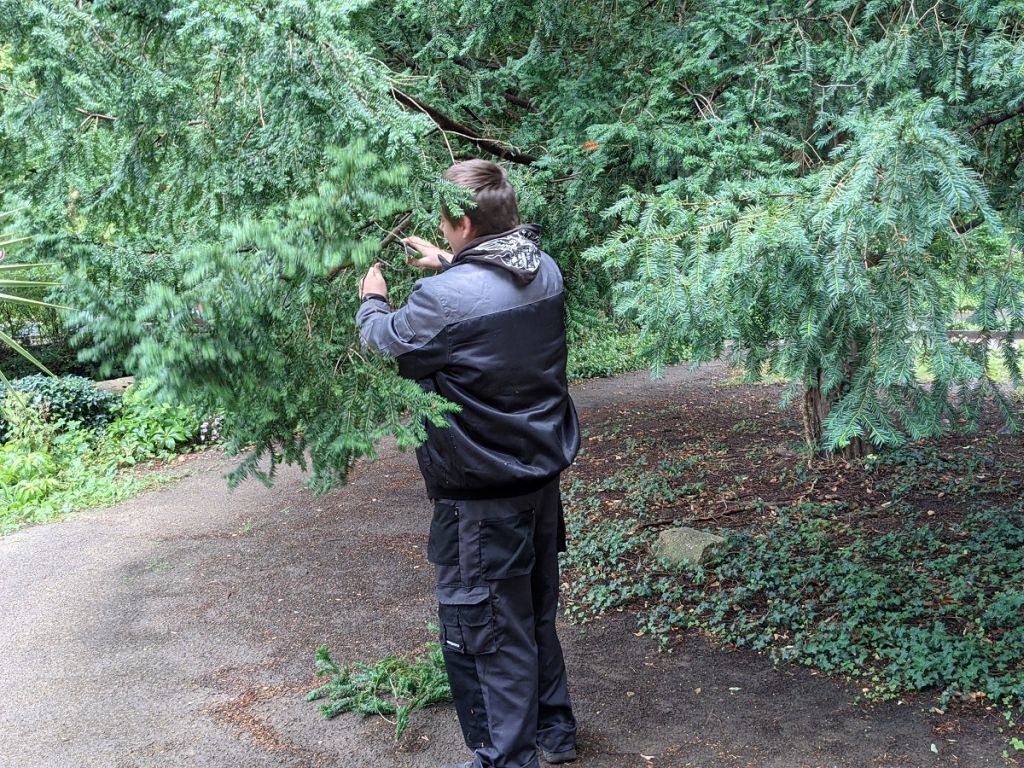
(447, 124)
(997, 119)
(390, 237)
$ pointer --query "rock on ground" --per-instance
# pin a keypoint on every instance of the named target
(676, 546)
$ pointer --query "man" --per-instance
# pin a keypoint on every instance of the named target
(488, 334)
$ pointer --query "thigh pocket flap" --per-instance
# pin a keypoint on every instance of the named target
(467, 619)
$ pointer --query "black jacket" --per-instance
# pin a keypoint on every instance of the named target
(487, 333)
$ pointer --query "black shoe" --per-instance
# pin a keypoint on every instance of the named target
(554, 758)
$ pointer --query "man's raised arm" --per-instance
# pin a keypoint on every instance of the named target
(415, 335)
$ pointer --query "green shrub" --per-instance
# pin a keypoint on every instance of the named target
(62, 399)
(26, 476)
(52, 467)
(58, 356)
(601, 346)
(47, 469)
(603, 352)
(145, 430)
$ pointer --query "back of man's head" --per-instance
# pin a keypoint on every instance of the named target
(496, 209)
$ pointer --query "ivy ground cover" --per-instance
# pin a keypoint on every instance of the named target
(903, 576)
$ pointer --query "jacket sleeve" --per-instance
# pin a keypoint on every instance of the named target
(415, 335)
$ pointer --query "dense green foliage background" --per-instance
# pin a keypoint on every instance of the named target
(827, 185)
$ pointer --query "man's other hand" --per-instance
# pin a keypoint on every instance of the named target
(431, 255)
(373, 282)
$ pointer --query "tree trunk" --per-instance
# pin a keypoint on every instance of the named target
(857, 449)
(816, 410)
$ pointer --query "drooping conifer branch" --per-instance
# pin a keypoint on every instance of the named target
(813, 226)
(393, 234)
(448, 125)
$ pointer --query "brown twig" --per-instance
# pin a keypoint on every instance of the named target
(396, 231)
(448, 125)
(518, 100)
(390, 237)
(94, 116)
(708, 518)
(997, 119)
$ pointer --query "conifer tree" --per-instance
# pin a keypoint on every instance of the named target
(814, 185)
(211, 236)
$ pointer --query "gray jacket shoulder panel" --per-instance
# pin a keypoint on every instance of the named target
(472, 289)
(416, 331)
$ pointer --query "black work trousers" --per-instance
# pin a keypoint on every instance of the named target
(496, 562)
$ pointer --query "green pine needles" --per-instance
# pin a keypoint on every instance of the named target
(261, 328)
(822, 190)
(393, 686)
(839, 280)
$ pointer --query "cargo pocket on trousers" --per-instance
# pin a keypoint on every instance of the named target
(443, 544)
(467, 620)
(506, 546)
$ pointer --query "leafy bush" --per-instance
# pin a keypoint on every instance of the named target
(51, 467)
(67, 398)
(26, 476)
(146, 430)
(48, 470)
(603, 352)
(599, 346)
(59, 357)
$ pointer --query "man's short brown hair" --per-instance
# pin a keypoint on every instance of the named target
(496, 209)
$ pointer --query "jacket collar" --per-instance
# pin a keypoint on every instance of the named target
(517, 251)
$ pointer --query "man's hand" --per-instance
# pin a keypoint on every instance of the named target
(373, 282)
(431, 254)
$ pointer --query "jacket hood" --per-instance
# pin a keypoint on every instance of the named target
(517, 251)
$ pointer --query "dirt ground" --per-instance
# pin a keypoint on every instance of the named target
(179, 629)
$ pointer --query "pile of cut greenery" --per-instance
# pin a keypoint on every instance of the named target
(393, 686)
